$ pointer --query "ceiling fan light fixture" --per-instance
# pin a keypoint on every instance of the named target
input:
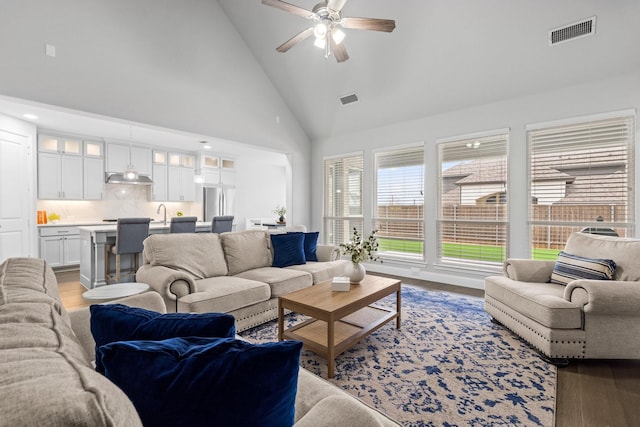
(320, 42)
(320, 30)
(338, 35)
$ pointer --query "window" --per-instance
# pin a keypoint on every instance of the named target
(342, 197)
(580, 179)
(473, 215)
(399, 202)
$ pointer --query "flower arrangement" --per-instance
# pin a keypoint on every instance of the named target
(361, 250)
(280, 210)
(54, 217)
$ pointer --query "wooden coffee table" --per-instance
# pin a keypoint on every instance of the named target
(338, 319)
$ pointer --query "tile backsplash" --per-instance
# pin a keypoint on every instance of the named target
(119, 201)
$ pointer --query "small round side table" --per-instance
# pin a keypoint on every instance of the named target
(115, 291)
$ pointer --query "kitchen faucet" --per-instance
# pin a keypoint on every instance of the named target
(164, 221)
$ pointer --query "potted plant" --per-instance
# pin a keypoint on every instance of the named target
(281, 211)
(360, 251)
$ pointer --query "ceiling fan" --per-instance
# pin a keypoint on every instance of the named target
(327, 19)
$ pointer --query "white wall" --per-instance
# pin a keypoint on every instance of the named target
(175, 64)
(617, 93)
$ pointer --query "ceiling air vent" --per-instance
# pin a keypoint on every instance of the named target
(349, 99)
(573, 31)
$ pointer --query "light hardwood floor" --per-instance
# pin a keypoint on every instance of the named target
(590, 393)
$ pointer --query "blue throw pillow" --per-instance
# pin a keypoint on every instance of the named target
(288, 249)
(206, 381)
(310, 245)
(570, 267)
(117, 322)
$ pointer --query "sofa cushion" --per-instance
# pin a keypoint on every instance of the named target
(322, 271)
(245, 250)
(199, 381)
(288, 249)
(542, 302)
(570, 267)
(199, 254)
(310, 245)
(625, 252)
(224, 294)
(31, 280)
(280, 280)
(117, 322)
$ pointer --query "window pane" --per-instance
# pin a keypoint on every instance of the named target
(580, 179)
(473, 215)
(399, 201)
(342, 198)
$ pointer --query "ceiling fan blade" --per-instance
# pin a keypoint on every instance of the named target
(386, 25)
(288, 7)
(336, 5)
(339, 51)
(295, 40)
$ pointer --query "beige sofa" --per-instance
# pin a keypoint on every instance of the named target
(48, 377)
(585, 318)
(228, 272)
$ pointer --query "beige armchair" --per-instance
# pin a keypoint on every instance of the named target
(595, 319)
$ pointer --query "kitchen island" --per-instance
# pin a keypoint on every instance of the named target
(95, 238)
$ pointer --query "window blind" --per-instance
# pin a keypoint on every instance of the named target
(399, 202)
(342, 198)
(580, 179)
(473, 214)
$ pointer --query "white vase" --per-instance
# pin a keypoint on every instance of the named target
(355, 271)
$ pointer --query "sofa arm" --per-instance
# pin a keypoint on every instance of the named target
(621, 298)
(169, 283)
(528, 270)
(81, 318)
(327, 253)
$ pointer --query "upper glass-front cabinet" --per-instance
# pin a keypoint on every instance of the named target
(93, 149)
(62, 145)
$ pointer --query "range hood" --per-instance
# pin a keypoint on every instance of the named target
(119, 178)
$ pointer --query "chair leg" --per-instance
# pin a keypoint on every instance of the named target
(117, 268)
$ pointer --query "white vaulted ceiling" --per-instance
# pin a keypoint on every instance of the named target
(443, 55)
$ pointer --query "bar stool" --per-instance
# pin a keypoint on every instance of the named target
(130, 233)
(183, 224)
(221, 224)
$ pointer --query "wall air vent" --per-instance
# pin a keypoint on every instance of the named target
(583, 28)
(349, 99)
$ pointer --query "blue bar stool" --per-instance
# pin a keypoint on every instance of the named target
(221, 224)
(130, 233)
(183, 224)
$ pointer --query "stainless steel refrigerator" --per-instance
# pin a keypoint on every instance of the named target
(217, 201)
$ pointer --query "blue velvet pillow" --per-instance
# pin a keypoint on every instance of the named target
(206, 381)
(117, 322)
(310, 245)
(288, 249)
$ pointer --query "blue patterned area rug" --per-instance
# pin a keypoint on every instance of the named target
(447, 366)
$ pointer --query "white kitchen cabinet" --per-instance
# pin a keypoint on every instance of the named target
(60, 246)
(59, 176)
(93, 178)
(159, 183)
(180, 184)
(217, 169)
(121, 157)
(93, 162)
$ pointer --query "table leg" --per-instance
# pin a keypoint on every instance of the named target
(331, 363)
(280, 320)
(399, 308)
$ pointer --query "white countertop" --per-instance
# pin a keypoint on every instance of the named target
(152, 226)
(84, 223)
